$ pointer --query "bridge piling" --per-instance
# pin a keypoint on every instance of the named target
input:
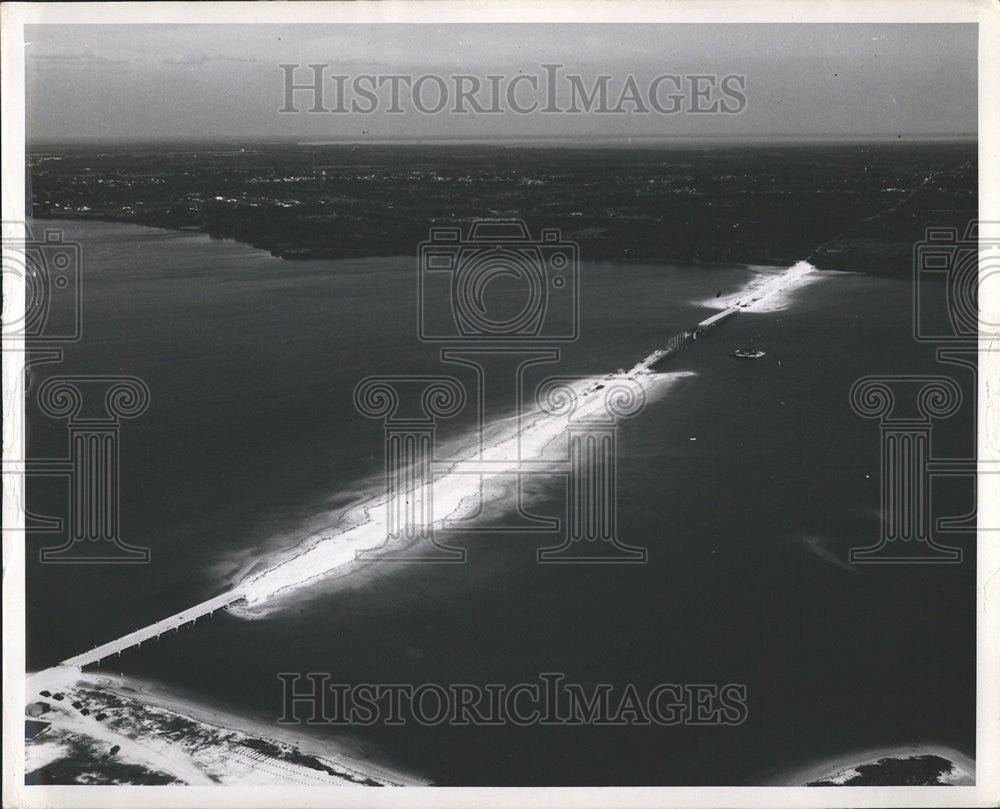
(153, 632)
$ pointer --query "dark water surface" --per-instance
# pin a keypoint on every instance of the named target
(251, 432)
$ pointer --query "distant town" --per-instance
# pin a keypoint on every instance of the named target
(678, 204)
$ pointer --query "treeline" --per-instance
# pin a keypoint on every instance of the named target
(866, 205)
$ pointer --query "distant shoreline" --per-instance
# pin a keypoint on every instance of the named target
(294, 254)
(675, 202)
(612, 141)
(305, 255)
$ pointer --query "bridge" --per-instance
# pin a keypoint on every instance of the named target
(192, 614)
(153, 631)
(683, 339)
(674, 344)
(711, 322)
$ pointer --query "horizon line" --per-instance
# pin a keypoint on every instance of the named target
(618, 141)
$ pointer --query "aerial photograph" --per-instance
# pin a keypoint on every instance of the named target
(496, 404)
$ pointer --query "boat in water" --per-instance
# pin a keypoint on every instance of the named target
(747, 354)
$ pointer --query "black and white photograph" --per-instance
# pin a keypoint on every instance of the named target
(592, 400)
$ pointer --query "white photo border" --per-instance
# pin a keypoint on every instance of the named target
(12, 75)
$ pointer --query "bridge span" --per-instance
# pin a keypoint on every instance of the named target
(683, 339)
(674, 344)
(153, 631)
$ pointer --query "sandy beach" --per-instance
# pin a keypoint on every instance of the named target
(363, 527)
(841, 770)
(161, 736)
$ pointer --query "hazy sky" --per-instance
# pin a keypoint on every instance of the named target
(190, 81)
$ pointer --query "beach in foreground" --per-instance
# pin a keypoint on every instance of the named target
(98, 728)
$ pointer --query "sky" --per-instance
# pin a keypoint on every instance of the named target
(124, 82)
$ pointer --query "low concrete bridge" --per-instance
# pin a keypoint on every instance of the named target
(710, 323)
(192, 614)
(683, 339)
(153, 631)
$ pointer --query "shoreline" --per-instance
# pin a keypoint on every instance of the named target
(305, 253)
(828, 768)
(163, 730)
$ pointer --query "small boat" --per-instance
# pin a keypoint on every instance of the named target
(747, 354)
